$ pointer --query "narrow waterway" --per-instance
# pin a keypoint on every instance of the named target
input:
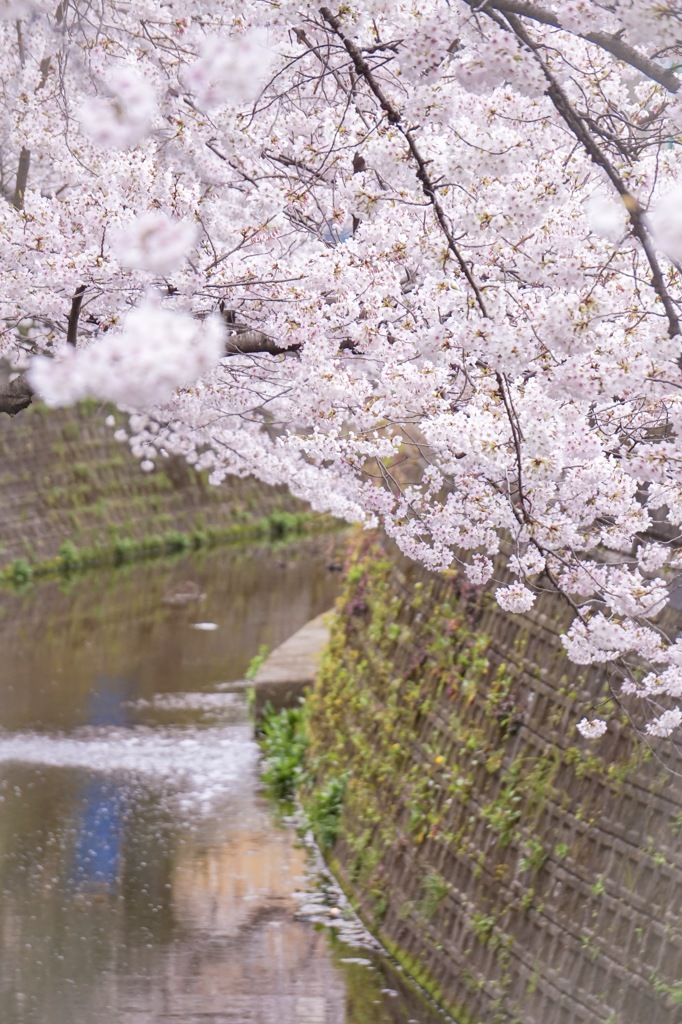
(143, 876)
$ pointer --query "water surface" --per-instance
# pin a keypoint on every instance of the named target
(143, 877)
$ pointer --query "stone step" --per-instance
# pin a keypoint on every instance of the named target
(292, 667)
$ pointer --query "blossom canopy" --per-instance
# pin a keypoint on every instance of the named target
(421, 264)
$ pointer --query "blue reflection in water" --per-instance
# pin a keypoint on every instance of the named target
(99, 828)
(97, 853)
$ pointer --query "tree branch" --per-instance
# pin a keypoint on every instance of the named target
(247, 342)
(20, 44)
(612, 44)
(18, 394)
(74, 313)
(22, 178)
(15, 395)
(394, 116)
(582, 133)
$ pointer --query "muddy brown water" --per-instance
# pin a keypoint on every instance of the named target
(144, 878)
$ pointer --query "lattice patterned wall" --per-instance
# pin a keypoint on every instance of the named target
(521, 873)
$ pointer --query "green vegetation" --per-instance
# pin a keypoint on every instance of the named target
(461, 761)
(69, 557)
(323, 810)
(434, 889)
(280, 525)
(276, 527)
(88, 504)
(598, 888)
(19, 572)
(255, 664)
(672, 992)
(284, 740)
(483, 926)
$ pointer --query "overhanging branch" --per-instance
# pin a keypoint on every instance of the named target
(247, 342)
(583, 135)
(607, 41)
(250, 342)
(394, 116)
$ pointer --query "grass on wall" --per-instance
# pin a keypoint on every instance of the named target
(278, 526)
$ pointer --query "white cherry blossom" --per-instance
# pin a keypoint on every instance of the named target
(154, 242)
(421, 264)
(155, 352)
(666, 723)
(123, 116)
(515, 598)
(591, 729)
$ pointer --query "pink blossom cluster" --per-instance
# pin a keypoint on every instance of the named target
(154, 242)
(229, 69)
(124, 114)
(421, 263)
(155, 352)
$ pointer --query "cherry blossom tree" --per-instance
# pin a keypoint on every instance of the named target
(421, 263)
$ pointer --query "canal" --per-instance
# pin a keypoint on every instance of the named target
(144, 877)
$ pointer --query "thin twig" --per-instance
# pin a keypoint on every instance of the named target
(394, 116)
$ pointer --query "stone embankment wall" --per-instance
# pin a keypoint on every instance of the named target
(518, 872)
(63, 478)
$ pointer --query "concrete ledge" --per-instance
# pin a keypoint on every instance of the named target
(292, 667)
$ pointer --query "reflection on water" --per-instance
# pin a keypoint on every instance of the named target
(58, 639)
(142, 877)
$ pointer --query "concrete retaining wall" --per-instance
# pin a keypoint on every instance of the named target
(519, 872)
(63, 477)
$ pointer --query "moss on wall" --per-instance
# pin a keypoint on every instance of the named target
(71, 496)
(520, 873)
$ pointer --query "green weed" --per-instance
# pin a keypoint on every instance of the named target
(69, 557)
(283, 742)
(323, 811)
(256, 662)
(434, 889)
(20, 572)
